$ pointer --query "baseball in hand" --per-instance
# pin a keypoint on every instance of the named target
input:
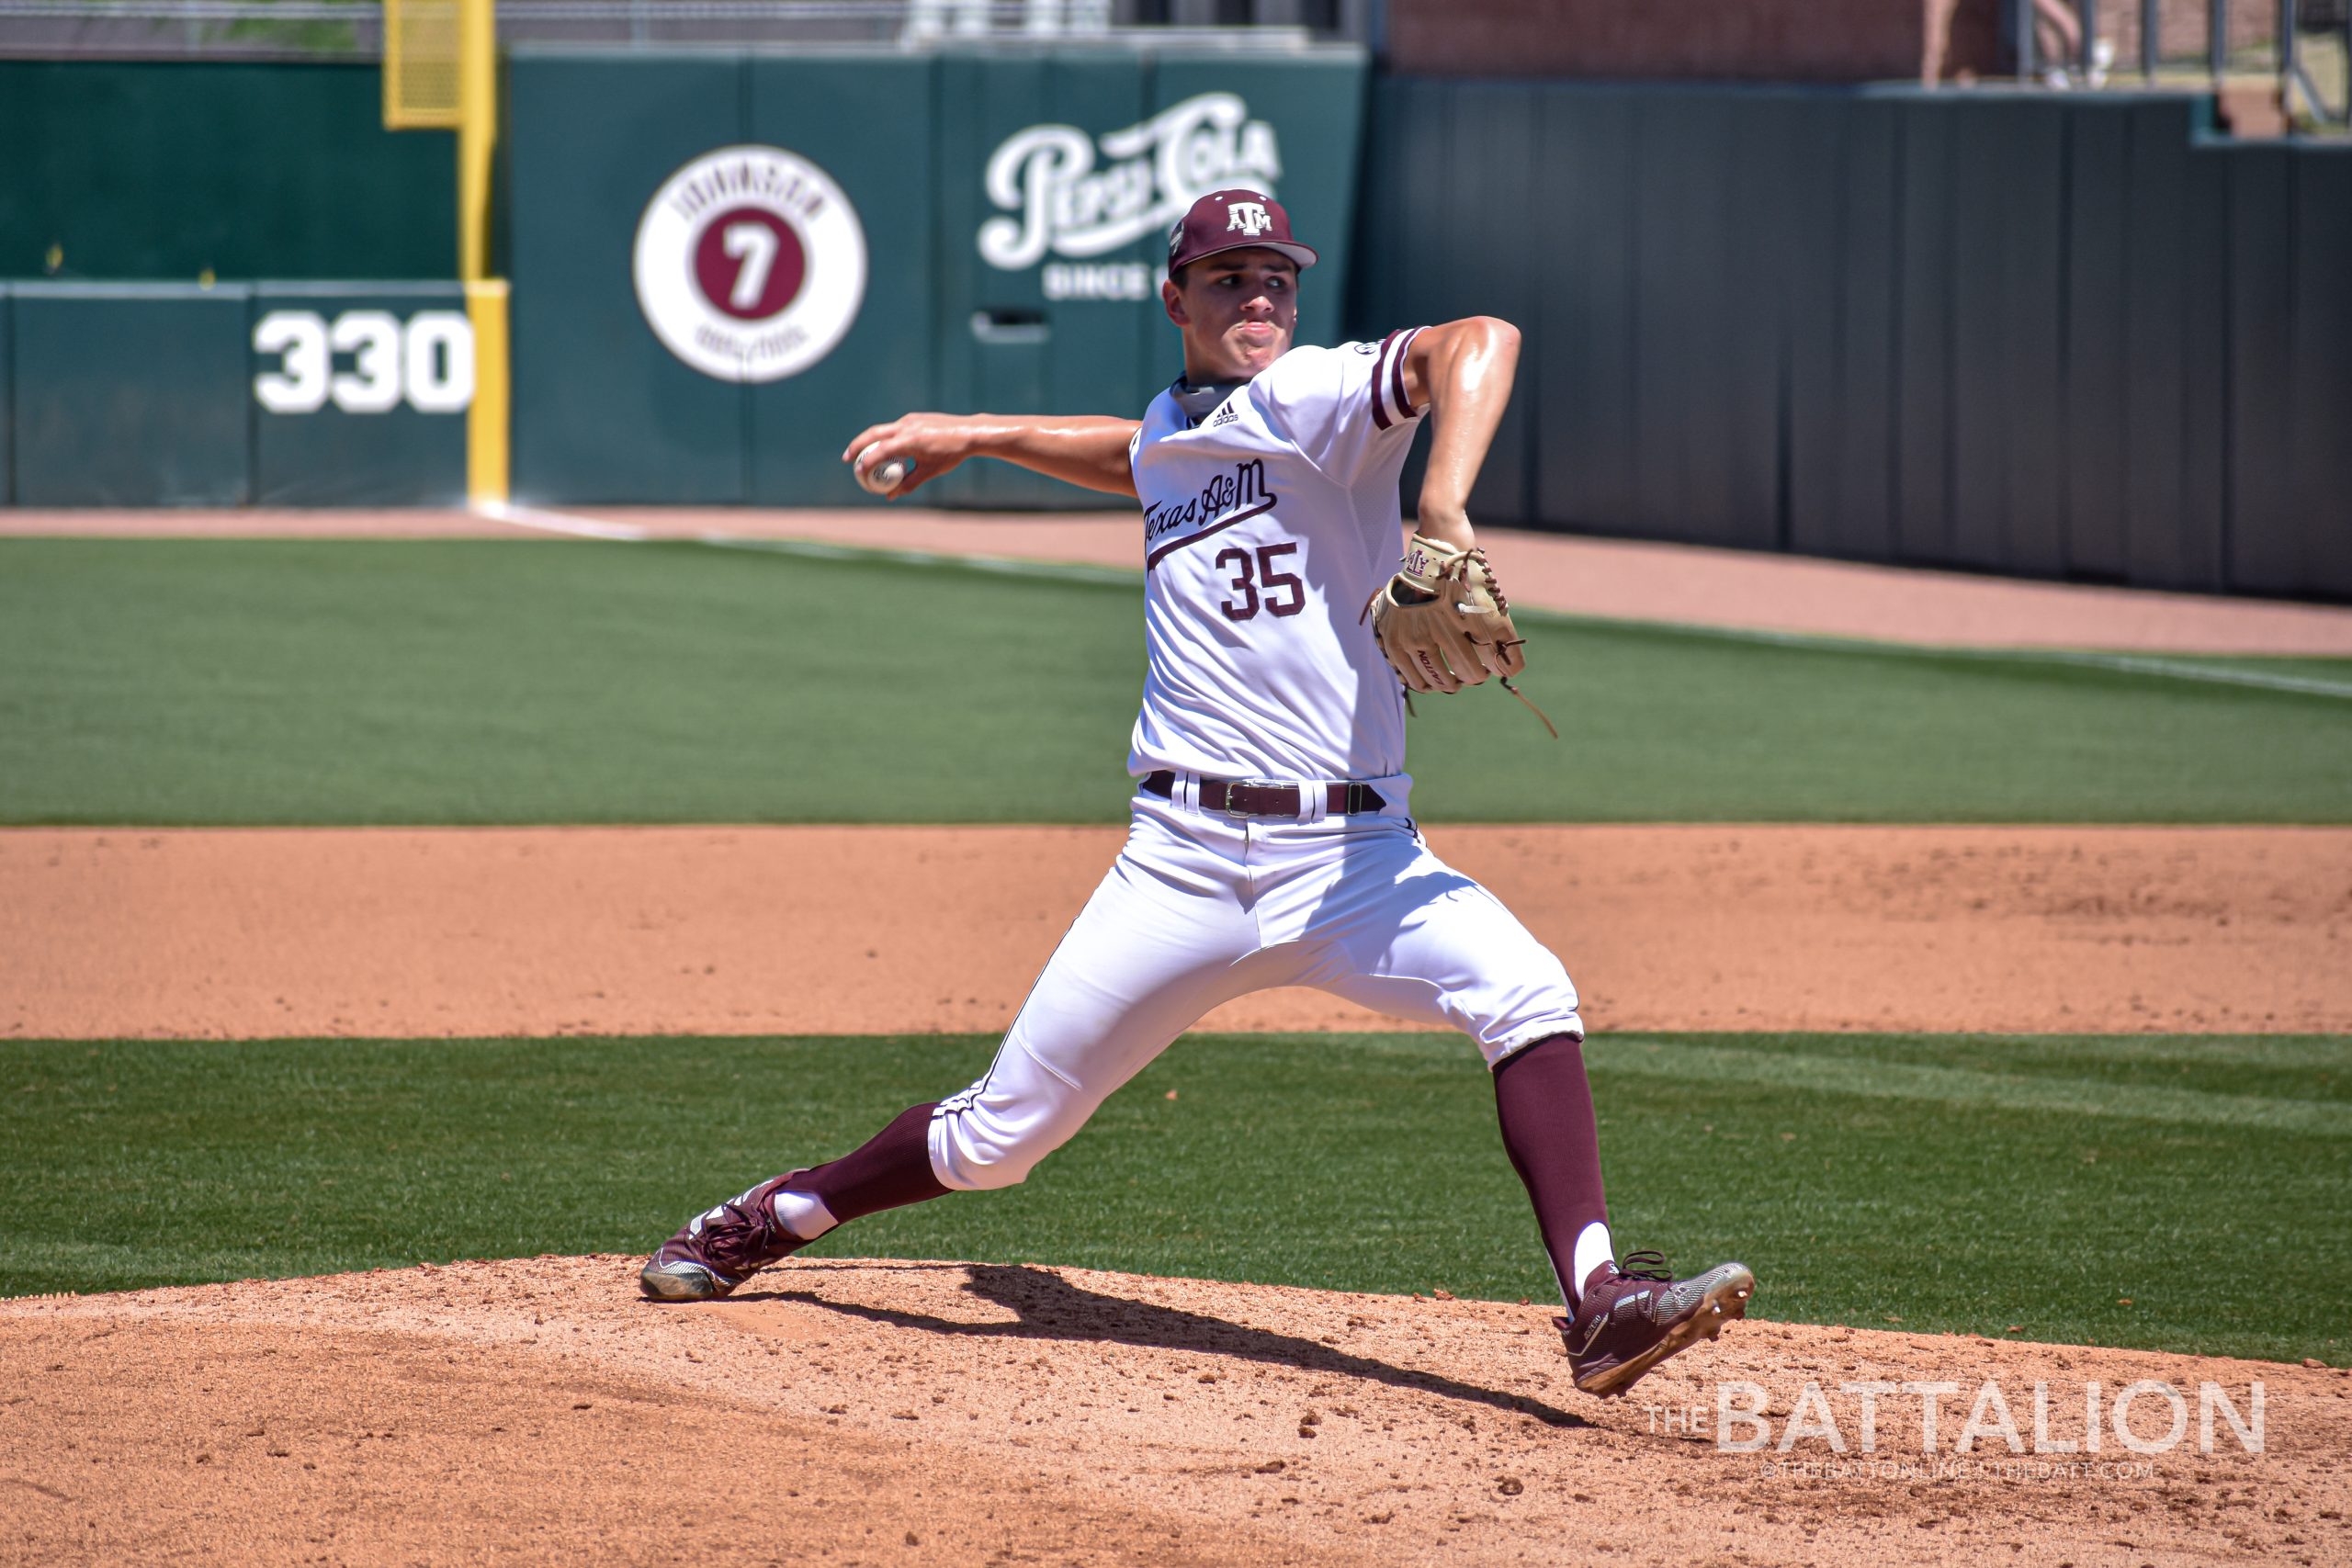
(882, 478)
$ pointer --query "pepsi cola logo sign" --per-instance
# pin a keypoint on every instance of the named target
(749, 264)
(1060, 197)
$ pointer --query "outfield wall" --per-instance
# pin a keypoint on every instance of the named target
(2061, 335)
(140, 170)
(265, 394)
(2048, 334)
(1012, 208)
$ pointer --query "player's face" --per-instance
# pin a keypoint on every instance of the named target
(1239, 311)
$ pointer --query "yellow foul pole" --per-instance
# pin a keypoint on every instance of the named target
(487, 421)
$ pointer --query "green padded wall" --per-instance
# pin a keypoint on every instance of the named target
(130, 395)
(2320, 432)
(326, 454)
(276, 394)
(2266, 542)
(1002, 345)
(882, 368)
(164, 169)
(8, 400)
(2098, 343)
(601, 410)
(2069, 336)
(604, 412)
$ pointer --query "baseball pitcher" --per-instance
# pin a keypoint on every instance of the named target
(1272, 840)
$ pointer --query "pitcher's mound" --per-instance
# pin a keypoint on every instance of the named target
(854, 1412)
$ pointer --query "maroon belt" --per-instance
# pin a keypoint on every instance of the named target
(1249, 798)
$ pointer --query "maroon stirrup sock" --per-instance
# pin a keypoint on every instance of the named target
(890, 1170)
(1545, 1108)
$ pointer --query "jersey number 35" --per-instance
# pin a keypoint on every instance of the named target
(1283, 592)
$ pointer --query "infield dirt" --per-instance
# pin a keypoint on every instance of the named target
(859, 1412)
(246, 933)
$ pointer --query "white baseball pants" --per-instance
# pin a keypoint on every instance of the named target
(1200, 908)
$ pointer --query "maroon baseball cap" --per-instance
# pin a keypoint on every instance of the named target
(1233, 221)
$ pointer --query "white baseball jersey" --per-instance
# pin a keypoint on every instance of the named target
(1266, 526)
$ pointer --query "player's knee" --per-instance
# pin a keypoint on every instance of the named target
(984, 1145)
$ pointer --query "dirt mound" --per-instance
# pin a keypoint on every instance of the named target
(863, 1412)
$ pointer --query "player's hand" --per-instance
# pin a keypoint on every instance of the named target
(1443, 622)
(933, 442)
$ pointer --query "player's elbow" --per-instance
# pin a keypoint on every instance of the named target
(1491, 334)
(1502, 338)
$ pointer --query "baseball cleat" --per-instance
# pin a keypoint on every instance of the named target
(718, 1250)
(1635, 1314)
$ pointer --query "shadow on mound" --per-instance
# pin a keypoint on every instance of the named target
(1050, 1307)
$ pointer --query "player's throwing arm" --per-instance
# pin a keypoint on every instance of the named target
(1083, 449)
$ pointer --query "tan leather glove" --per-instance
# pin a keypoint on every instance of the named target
(1443, 620)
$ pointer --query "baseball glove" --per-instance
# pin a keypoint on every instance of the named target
(1443, 623)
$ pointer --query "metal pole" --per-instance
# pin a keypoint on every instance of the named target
(2217, 39)
(2088, 63)
(2151, 27)
(476, 132)
(2286, 58)
(2021, 17)
(488, 416)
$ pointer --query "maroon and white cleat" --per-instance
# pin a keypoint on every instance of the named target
(1634, 1315)
(718, 1250)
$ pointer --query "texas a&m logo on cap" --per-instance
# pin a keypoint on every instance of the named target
(1233, 221)
(749, 264)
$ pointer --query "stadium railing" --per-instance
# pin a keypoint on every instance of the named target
(2301, 30)
(313, 29)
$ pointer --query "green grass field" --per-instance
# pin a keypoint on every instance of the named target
(2181, 1193)
(494, 681)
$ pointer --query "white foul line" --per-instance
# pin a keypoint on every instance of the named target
(805, 550)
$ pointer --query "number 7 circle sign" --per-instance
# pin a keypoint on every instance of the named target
(749, 264)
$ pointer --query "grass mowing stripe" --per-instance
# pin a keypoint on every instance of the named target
(2315, 1070)
(1354, 1162)
(151, 682)
(2263, 674)
(2274, 674)
(1970, 1088)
